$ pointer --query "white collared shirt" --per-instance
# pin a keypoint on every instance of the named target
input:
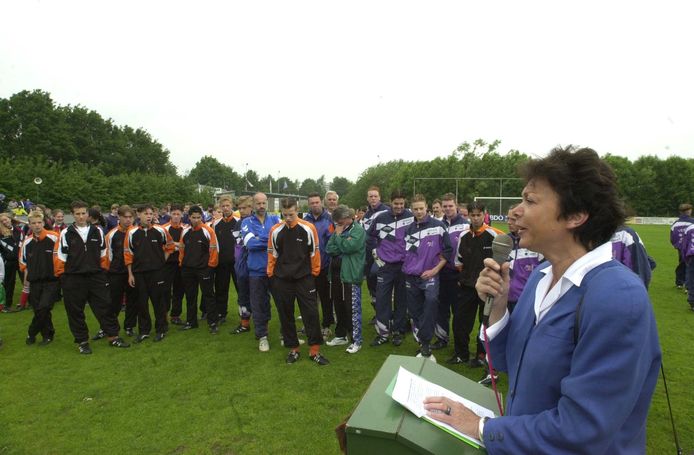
(545, 298)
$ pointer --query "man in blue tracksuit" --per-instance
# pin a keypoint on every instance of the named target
(321, 219)
(373, 197)
(387, 230)
(255, 231)
(427, 247)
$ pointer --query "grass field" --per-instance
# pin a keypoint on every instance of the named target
(195, 393)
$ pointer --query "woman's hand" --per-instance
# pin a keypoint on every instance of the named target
(454, 414)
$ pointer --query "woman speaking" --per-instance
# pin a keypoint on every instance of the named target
(581, 348)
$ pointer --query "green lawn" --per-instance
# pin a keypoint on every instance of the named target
(195, 393)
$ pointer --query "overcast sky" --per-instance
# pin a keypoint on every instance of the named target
(324, 87)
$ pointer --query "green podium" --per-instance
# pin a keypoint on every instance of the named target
(379, 425)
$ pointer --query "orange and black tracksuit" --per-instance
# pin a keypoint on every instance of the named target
(36, 262)
(117, 273)
(224, 229)
(173, 295)
(293, 263)
(474, 247)
(198, 258)
(81, 265)
(145, 252)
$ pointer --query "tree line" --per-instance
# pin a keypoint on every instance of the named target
(79, 154)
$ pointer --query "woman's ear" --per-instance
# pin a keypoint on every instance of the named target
(577, 219)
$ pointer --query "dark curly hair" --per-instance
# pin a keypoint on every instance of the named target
(583, 183)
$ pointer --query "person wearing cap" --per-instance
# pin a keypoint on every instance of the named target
(677, 230)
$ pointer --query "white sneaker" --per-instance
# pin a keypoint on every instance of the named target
(263, 345)
(337, 341)
(431, 357)
(353, 348)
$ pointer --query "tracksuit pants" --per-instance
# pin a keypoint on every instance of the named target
(347, 300)
(204, 279)
(174, 291)
(11, 271)
(223, 275)
(150, 286)
(422, 304)
(243, 290)
(304, 290)
(41, 299)
(681, 270)
(449, 294)
(464, 312)
(390, 280)
(78, 289)
(690, 281)
(118, 287)
(259, 287)
(326, 303)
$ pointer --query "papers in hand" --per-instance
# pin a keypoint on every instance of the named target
(410, 391)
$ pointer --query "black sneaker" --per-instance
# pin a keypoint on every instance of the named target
(440, 344)
(214, 329)
(130, 332)
(177, 321)
(487, 379)
(398, 339)
(188, 326)
(30, 340)
(475, 363)
(160, 336)
(455, 360)
(119, 342)
(99, 335)
(379, 340)
(425, 350)
(240, 329)
(142, 337)
(84, 348)
(293, 356)
(46, 341)
(320, 360)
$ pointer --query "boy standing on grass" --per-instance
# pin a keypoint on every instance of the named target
(36, 262)
(293, 264)
(79, 259)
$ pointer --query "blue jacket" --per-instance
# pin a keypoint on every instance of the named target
(589, 397)
(425, 243)
(388, 232)
(324, 226)
(255, 236)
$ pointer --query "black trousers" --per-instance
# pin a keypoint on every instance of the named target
(223, 275)
(150, 286)
(304, 290)
(341, 296)
(79, 289)
(326, 301)
(464, 312)
(41, 299)
(11, 271)
(174, 291)
(204, 279)
(118, 286)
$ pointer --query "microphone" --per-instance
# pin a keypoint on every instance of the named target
(501, 249)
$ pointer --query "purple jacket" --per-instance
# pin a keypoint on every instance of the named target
(523, 262)
(628, 249)
(369, 216)
(387, 231)
(677, 231)
(425, 243)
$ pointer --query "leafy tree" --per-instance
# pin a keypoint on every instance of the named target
(210, 171)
